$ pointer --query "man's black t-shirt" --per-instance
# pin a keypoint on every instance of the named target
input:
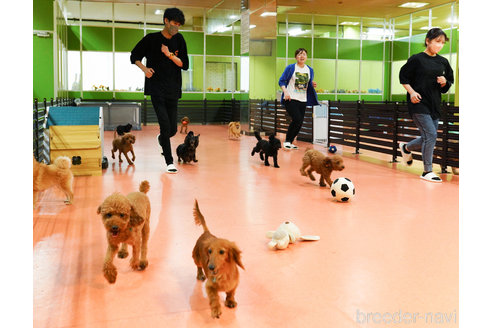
(166, 80)
(421, 72)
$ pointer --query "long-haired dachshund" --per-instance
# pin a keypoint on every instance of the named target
(123, 145)
(126, 219)
(216, 260)
(321, 164)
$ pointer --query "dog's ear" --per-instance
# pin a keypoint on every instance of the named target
(327, 163)
(235, 254)
(99, 209)
(136, 216)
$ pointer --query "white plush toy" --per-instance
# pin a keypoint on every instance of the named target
(286, 233)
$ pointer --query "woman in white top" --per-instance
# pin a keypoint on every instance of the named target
(297, 93)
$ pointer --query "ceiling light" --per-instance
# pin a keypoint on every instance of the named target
(223, 29)
(252, 26)
(159, 12)
(349, 23)
(454, 20)
(413, 5)
(295, 31)
(268, 13)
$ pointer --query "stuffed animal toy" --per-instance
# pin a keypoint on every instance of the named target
(287, 233)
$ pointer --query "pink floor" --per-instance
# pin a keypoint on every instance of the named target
(390, 254)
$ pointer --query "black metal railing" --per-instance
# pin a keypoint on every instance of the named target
(374, 126)
(38, 117)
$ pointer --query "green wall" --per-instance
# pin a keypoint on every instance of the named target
(261, 81)
(43, 69)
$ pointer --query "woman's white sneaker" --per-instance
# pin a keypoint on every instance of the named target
(406, 154)
(171, 169)
(430, 176)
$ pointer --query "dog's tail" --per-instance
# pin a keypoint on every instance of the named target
(62, 162)
(199, 219)
(307, 149)
(144, 186)
(257, 135)
(115, 134)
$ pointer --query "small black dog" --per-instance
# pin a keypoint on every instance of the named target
(267, 148)
(187, 151)
(122, 129)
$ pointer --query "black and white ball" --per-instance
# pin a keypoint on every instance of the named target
(342, 189)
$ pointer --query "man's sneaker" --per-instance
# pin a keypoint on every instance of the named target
(288, 145)
(406, 154)
(171, 169)
(293, 146)
(430, 176)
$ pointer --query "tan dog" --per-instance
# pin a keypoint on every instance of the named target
(219, 259)
(123, 144)
(56, 174)
(126, 219)
(321, 164)
(234, 130)
(184, 124)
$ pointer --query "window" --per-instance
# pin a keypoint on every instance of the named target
(97, 70)
(128, 77)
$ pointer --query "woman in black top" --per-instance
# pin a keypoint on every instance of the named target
(166, 55)
(425, 76)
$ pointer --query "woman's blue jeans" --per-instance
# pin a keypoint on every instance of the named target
(427, 140)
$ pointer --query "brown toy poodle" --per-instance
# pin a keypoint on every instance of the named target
(126, 219)
(124, 145)
(216, 260)
(234, 130)
(56, 174)
(321, 164)
(184, 124)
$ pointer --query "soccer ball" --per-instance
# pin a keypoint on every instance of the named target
(332, 149)
(342, 189)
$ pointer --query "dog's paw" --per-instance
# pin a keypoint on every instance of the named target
(135, 265)
(230, 303)
(121, 161)
(122, 254)
(322, 184)
(277, 166)
(143, 265)
(312, 178)
(67, 202)
(130, 163)
(216, 312)
(267, 164)
(201, 277)
(110, 273)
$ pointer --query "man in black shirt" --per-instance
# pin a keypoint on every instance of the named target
(166, 56)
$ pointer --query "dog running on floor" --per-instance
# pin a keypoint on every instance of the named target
(126, 219)
(321, 164)
(267, 148)
(186, 151)
(122, 129)
(216, 260)
(234, 130)
(123, 145)
(56, 174)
